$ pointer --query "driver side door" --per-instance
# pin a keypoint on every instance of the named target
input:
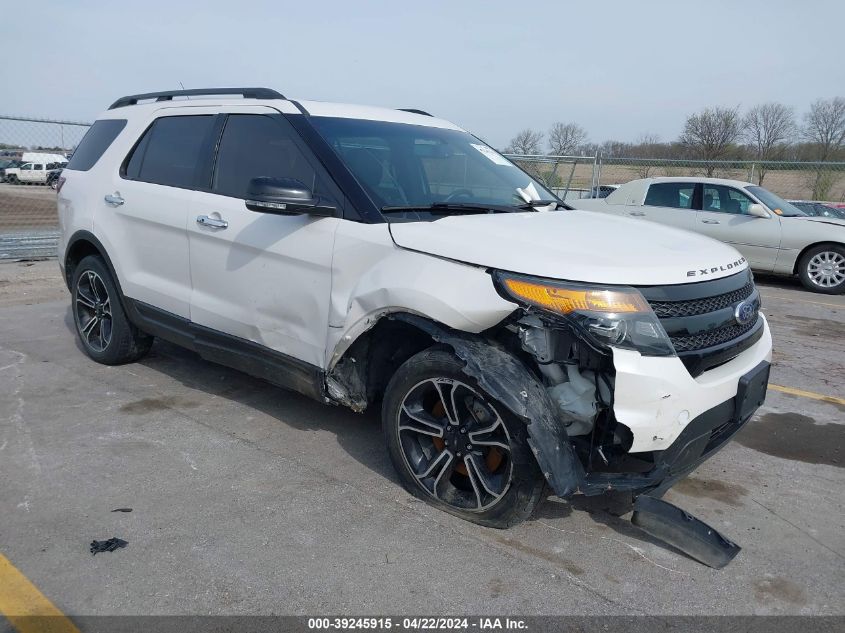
(724, 216)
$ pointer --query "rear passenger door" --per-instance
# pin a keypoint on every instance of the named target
(669, 203)
(146, 209)
(261, 278)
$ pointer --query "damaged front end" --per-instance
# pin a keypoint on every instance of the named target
(566, 362)
(572, 334)
(576, 336)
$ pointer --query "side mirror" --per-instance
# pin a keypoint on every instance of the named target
(286, 196)
(757, 211)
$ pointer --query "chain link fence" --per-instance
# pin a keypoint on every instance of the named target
(32, 154)
(574, 177)
(32, 149)
(569, 177)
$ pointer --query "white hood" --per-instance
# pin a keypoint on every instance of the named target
(575, 246)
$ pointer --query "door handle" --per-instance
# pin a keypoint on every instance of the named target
(710, 221)
(114, 199)
(639, 214)
(212, 223)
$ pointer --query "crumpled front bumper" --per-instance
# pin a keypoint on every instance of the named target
(682, 421)
(656, 398)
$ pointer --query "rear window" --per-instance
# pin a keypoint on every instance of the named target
(95, 142)
(168, 152)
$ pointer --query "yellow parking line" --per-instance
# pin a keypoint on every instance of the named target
(26, 608)
(807, 394)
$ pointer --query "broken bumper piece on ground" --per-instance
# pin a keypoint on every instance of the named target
(683, 531)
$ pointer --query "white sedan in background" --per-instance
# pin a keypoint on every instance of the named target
(773, 235)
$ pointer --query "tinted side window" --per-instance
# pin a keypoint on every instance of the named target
(168, 152)
(255, 146)
(724, 199)
(95, 142)
(677, 195)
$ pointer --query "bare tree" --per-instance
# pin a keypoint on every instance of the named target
(824, 126)
(526, 142)
(529, 142)
(709, 134)
(615, 149)
(647, 146)
(768, 128)
(565, 138)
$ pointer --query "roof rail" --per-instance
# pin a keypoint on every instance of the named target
(247, 93)
(415, 111)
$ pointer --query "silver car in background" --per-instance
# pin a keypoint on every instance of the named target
(772, 234)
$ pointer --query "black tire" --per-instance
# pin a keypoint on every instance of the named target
(822, 269)
(12, 180)
(515, 481)
(106, 334)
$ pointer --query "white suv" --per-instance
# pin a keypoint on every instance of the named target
(363, 255)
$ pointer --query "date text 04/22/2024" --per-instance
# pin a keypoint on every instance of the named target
(419, 623)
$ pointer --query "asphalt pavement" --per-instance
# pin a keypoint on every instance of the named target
(247, 499)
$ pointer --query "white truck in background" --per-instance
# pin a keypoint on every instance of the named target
(37, 168)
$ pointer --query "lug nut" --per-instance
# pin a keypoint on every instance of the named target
(446, 442)
(463, 430)
(460, 454)
(469, 447)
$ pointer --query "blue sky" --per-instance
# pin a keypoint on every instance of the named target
(620, 69)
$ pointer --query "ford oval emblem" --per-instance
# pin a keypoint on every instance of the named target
(745, 312)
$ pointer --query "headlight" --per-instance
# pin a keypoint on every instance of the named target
(615, 316)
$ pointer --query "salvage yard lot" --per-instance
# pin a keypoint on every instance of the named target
(249, 499)
(27, 207)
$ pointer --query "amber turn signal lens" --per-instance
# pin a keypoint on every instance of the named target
(566, 300)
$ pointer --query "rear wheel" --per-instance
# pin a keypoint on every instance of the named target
(822, 269)
(106, 334)
(455, 446)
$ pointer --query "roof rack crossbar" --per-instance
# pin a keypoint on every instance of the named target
(247, 93)
(415, 111)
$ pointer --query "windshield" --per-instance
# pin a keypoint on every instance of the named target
(401, 165)
(776, 203)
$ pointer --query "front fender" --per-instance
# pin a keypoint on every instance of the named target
(509, 381)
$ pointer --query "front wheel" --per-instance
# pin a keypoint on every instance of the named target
(455, 446)
(822, 269)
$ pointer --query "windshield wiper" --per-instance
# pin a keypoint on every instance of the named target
(533, 204)
(449, 208)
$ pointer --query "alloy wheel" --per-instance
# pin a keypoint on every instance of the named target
(826, 269)
(93, 311)
(455, 444)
